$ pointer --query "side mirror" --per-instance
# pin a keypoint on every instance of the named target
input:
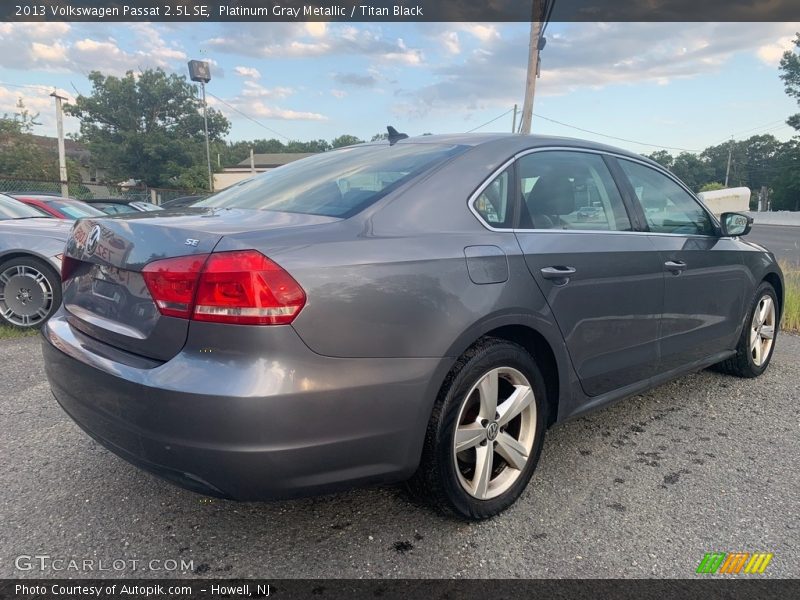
(735, 224)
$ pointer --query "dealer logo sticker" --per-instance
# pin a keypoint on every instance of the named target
(734, 563)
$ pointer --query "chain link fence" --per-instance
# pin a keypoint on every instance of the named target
(80, 191)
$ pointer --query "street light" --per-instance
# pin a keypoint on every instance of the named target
(200, 71)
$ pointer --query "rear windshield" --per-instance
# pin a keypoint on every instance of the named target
(340, 183)
(74, 210)
(14, 209)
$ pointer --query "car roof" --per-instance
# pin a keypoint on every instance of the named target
(44, 198)
(113, 200)
(515, 142)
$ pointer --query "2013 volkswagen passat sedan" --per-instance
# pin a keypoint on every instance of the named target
(420, 310)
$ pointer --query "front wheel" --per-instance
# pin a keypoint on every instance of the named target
(757, 342)
(485, 434)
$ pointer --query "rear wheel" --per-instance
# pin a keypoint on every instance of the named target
(757, 342)
(30, 291)
(485, 434)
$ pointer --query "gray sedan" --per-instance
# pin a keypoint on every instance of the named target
(31, 244)
(418, 309)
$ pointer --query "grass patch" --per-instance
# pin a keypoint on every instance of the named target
(791, 307)
(9, 333)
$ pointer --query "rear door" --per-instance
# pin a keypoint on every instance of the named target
(705, 280)
(602, 280)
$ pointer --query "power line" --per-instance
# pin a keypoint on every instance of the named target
(613, 137)
(492, 121)
(548, 11)
(33, 87)
(248, 117)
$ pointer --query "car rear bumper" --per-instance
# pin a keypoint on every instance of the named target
(247, 424)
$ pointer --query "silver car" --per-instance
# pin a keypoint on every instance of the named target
(31, 244)
(419, 309)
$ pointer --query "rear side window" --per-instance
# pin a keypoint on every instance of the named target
(668, 208)
(340, 183)
(569, 190)
(493, 203)
(14, 209)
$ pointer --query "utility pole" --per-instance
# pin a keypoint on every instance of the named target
(200, 71)
(514, 122)
(728, 169)
(533, 66)
(208, 147)
(62, 155)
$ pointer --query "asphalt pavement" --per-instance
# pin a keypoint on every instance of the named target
(641, 489)
(783, 240)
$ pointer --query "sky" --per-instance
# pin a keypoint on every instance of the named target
(678, 86)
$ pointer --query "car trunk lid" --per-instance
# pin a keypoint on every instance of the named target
(105, 294)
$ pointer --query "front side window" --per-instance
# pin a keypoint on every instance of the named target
(569, 190)
(339, 183)
(668, 208)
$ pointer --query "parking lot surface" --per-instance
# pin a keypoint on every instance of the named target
(642, 489)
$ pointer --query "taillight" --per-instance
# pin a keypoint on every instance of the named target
(68, 266)
(242, 287)
(172, 283)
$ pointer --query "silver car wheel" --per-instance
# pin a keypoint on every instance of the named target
(26, 295)
(762, 330)
(495, 432)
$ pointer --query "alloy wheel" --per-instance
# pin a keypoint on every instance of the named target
(495, 433)
(26, 295)
(762, 330)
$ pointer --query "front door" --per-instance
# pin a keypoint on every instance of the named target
(705, 278)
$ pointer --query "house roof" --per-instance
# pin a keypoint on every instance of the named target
(72, 149)
(275, 159)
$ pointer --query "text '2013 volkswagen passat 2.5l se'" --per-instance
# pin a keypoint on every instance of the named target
(417, 309)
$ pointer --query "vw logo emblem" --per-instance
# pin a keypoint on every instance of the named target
(492, 429)
(94, 238)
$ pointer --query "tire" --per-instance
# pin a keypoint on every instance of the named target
(750, 361)
(30, 292)
(451, 480)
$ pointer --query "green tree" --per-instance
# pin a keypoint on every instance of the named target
(691, 169)
(345, 140)
(786, 185)
(713, 186)
(21, 156)
(146, 126)
(663, 158)
(790, 74)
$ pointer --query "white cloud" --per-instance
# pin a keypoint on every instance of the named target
(36, 99)
(481, 31)
(61, 47)
(450, 42)
(589, 56)
(259, 109)
(251, 72)
(338, 93)
(251, 89)
(772, 52)
(307, 40)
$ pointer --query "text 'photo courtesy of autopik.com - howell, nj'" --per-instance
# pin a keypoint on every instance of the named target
(399, 299)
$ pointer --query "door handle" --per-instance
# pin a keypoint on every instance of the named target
(560, 275)
(676, 266)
